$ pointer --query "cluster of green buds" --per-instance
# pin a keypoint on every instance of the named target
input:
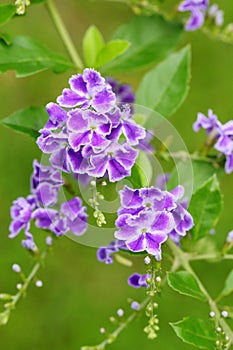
(153, 268)
(21, 6)
(152, 328)
(222, 341)
(94, 202)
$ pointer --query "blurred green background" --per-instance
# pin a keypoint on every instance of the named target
(79, 294)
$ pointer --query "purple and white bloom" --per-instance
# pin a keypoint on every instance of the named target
(88, 128)
(147, 216)
(104, 254)
(74, 215)
(197, 9)
(124, 92)
(137, 280)
(57, 117)
(93, 136)
(116, 161)
(45, 184)
(210, 123)
(88, 90)
(21, 212)
(222, 134)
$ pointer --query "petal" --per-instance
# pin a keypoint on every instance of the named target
(137, 245)
(130, 198)
(229, 164)
(47, 194)
(76, 140)
(100, 164)
(104, 100)
(77, 162)
(133, 132)
(153, 244)
(76, 122)
(70, 98)
(116, 171)
(78, 85)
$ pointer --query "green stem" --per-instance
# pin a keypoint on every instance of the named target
(27, 282)
(62, 31)
(182, 258)
(210, 257)
(113, 336)
(182, 155)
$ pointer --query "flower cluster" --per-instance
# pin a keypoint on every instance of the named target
(46, 182)
(147, 217)
(88, 133)
(219, 134)
(197, 9)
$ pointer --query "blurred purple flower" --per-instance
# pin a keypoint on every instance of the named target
(137, 280)
(221, 134)
(197, 9)
(124, 92)
(104, 254)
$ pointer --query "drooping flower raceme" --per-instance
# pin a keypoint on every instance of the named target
(92, 135)
(220, 134)
(197, 9)
(46, 182)
(147, 216)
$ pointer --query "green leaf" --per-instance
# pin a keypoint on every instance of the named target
(6, 38)
(35, 2)
(196, 332)
(228, 286)
(27, 57)
(6, 13)
(165, 87)
(110, 51)
(184, 283)
(205, 207)
(93, 42)
(201, 172)
(141, 173)
(27, 121)
(151, 38)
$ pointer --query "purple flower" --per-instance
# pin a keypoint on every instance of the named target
(88, 128)
(104, 254)
(88, 90)
(210, 123)
(116, 160)
(75, 216)
(197, 9)
(21, 212)
(124, 92)
(136, 280)
(222, 134)
(45, 184)
(95, 138)
(148, 215)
